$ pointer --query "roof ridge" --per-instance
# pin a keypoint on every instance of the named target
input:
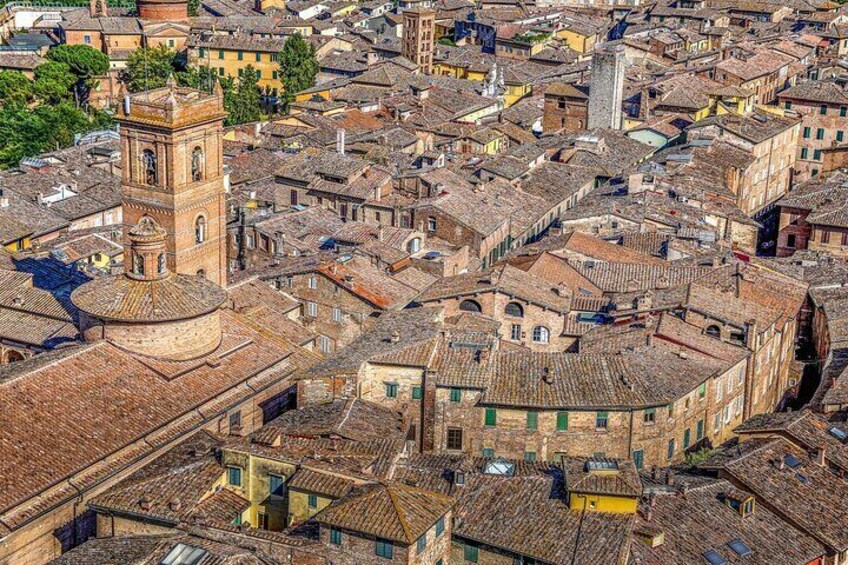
(401, 518)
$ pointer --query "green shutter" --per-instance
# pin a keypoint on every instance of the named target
(488, 453)
(638, 458)
(416, 393)
(803, 153)
(699, 430)
(456, 394)
(687, 433)
(601, 419)
(839, 135)
(391, 390)
(702, 390)
(313, 501)
(562, 421)
(806, 133)
(491, 417)
(470, 553)
(529, 455)
(532, 420)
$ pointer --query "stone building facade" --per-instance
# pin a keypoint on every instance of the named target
(823, 108)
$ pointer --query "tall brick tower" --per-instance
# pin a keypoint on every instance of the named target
(172, 169)
(607, 88)
(419, 26)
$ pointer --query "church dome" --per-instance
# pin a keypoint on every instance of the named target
(162, 10)
(148, 309)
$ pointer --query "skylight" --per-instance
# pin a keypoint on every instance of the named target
(739, 547)
(713, 557)
(499, 467)
(601, 465)
(802, 478)
(791, 461)
(183, 554)
(838, 433)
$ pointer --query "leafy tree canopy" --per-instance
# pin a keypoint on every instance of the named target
(15, 88)
(298, 67)
(85, 62)
(150, 67)
(53, 82)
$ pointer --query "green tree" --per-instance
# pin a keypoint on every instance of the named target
(53, 82)
(193, 7)
(244, 102)
(298, 68)
(15, 88)
(150, 67)
(86, 63)
(25, 132)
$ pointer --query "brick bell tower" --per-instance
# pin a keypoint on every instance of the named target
(172, 171)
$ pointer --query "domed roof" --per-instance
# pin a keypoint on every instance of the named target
(175, 297)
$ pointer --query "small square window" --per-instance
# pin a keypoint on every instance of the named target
(384, 548)
(491, 417)
(234, 476)
(562, 421)
(312, 501)
(391, 390)
(416, 393)
(335, 536)
(601, 420)
(276, 485)
(529, 455)
(456, 395)
(470, 553)
(488, 453)
(454, 438)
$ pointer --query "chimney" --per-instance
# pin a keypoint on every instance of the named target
(340, 141)
(649, 341)
(669, 477)
(144, 503)
(175, 504)
(482, 356)
(395, 337)
(751, 334)
(820, 456)
(380, 234)
(547, 376)
(649, 513)
(654, 475)
(738, 276)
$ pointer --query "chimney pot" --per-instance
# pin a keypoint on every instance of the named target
(820, 456)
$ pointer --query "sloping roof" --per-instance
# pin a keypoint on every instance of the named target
(396, 512)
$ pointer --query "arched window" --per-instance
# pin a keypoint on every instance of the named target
(149, 169)
(514, 309)
(13, 357)
(160, 263)
(200, 229)
(138, 264)
(470, 306)
(541, 334)
(201, 273)
(714, 331)
(197, 164)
